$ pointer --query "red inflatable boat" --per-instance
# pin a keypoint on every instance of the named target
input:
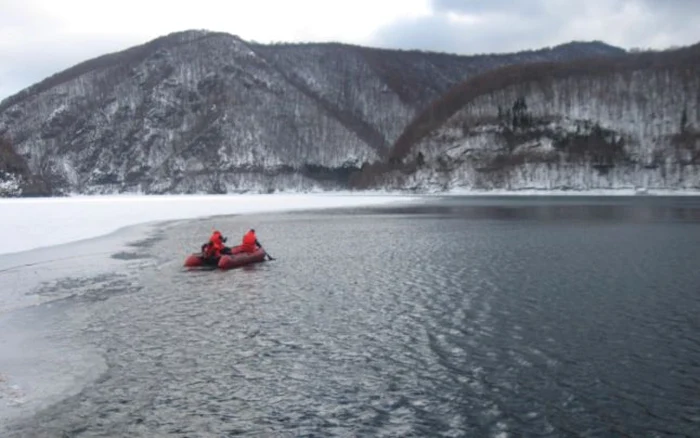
(227, 261)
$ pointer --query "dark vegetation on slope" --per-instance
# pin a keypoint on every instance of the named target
(455, 99)
(124, 59)
(13, 165)
(598, 143)
(418, 77)
(116, 150)
(394, 65)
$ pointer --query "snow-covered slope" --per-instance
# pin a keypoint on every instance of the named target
(610, 124)
(200, 111)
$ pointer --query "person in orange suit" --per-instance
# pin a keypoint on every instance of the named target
(216, 247)
(249, 245)
(250, 242)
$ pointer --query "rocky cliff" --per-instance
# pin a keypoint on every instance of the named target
(613, 123)
(200, 111)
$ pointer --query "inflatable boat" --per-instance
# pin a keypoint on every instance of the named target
(236, 259)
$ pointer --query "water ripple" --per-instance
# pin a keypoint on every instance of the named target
(420, 328)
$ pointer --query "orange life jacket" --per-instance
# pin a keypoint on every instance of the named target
(249, 238)
(215, 245)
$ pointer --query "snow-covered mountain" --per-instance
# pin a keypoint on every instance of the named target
(616, 123)
(201, 111)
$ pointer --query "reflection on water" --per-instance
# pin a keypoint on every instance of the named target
(548, 209)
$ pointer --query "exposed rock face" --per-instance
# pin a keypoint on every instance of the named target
(627, 122)
(200, 111)
(15, 177)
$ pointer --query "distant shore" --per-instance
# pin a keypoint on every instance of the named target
(592, 192)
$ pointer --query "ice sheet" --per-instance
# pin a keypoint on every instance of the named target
(29, 223)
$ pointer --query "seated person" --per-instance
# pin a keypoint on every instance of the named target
(215, 247)
(250, 242)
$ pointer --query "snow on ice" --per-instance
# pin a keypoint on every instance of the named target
(29, 223)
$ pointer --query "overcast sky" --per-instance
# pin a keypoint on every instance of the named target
(41, 37)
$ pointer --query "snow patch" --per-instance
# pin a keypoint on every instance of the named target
(57, 111)
(10, 185)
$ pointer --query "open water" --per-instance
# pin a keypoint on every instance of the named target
(493, 317)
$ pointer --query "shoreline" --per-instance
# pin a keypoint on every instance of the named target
(25, 219)
(39, 223)
(627, 191)
(115, 226)
(572, 193)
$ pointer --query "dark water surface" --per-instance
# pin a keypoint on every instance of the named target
(504, 317)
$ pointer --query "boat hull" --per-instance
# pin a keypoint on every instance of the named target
(237, 258)
(198, 260)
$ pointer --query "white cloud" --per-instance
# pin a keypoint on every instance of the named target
(483, 26)
(265, 20)
(41, 37)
